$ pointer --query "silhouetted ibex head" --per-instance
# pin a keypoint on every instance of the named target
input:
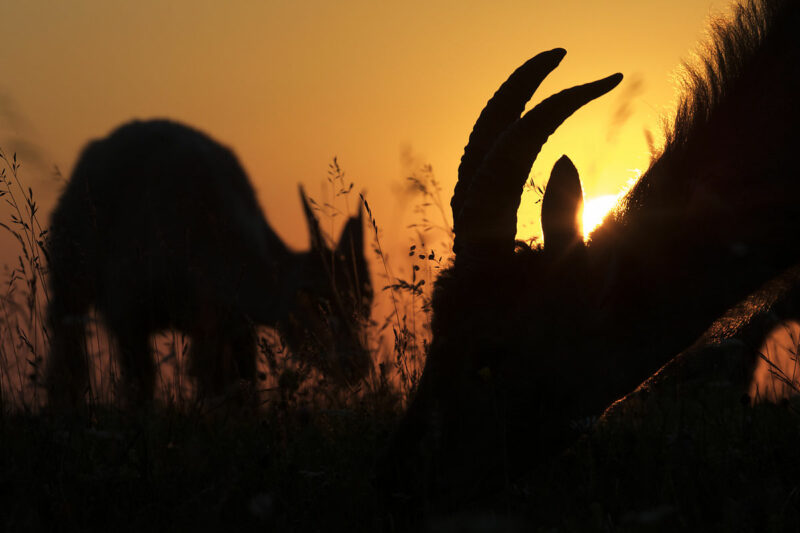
(159, 228)
(530, 343)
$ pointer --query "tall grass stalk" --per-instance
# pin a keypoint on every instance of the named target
(25, 337)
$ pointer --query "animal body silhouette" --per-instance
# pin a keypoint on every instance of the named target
(159, 227)
(529, 342)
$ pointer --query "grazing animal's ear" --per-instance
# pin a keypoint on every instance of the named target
(351, 243)
(562, 207)
(315, 234)
(351, 249)
(352, 238)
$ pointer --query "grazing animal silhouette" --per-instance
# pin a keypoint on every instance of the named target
(159, 227)
(529, 343)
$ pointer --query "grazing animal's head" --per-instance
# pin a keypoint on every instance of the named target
(332, 301)
(530, 343)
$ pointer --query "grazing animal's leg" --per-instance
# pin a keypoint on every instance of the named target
(71, 297)
(68, 372)
(243, 346)
(136, 360)
(207, 360)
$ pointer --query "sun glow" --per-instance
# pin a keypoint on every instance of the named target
(777, 375)
(595, 210)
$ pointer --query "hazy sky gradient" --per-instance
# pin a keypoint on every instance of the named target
(290, 84)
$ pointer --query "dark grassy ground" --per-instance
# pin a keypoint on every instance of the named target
(299, 471)
(726, 467)
(721, 467)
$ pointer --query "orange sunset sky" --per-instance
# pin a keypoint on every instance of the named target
(288, 85)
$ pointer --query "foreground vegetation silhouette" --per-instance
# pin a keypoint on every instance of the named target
(159, 228)
(531, 343)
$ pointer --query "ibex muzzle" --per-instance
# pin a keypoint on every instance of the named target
(530, 343)
(159, 228)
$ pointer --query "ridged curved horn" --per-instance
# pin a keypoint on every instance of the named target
(314, 232)
(502, 110)
(487, 223)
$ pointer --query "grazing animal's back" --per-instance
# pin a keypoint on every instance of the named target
(156, 201)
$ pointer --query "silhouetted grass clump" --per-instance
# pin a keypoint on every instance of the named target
(23, 335)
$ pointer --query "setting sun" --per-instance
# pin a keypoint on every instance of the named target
(595, 210)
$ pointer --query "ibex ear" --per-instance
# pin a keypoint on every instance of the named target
(352, 239)
(315, 234)
(562, 207)
(351, 248)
